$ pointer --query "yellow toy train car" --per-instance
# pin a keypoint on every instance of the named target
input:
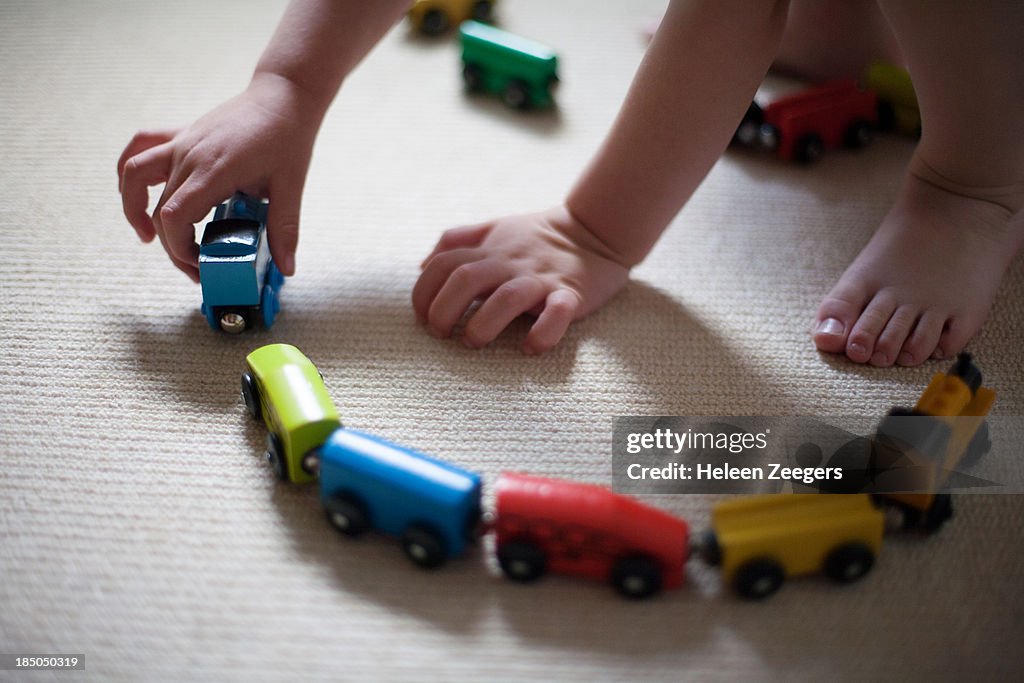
(761, 540)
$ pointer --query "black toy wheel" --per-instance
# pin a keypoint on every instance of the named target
(516, 95)
(809, 148)
(886, 115)
(747, 132)
(636, 577)
(482, 11)
(858, 134)
(911, 517)
(757, 579)
(768, 137)
(310, 462)
(849, 562)
(275, 456)
(711, 549)
(346, 514)
(522, 561)
(434, 22)
(423, 546)
(473, 77)
(940, 511)
(251, 395)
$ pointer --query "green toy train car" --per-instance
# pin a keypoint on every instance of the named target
(521, 71)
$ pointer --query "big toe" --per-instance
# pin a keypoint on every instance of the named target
(833, 324)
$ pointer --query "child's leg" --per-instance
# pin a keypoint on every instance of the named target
(925, 282)
(832, 39)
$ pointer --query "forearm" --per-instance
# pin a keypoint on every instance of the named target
(700, 73)
(319, 42)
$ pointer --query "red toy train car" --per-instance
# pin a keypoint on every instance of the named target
(579, 529)
(801, 126)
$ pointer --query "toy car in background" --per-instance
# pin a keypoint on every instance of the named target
(284, 388)
(367, 482)
(897, 101)
(520, 71)
(761, 540)
(549, 525)
(801, 126)
(918, 449)
(239, 280)
(434, 17)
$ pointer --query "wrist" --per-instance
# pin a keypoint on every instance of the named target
(626, 247)
(289, 96)
(579, 232)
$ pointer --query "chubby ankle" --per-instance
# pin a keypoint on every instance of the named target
(1004, 194)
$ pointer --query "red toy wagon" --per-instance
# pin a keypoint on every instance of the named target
(548, 525)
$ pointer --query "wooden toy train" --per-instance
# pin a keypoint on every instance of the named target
(544, 525)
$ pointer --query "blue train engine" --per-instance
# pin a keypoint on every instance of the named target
(239, 279)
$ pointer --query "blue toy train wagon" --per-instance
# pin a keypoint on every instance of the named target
(239, 279)
(367, 482)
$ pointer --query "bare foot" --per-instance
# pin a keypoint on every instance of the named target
(924, 284)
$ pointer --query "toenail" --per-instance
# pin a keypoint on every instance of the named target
(905, 359)
(938, 355)
(830, 326)
(879, 358)
(857, 350)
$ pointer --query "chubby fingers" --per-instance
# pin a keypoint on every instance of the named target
(283, 221)
(560, 309)
(463, 237)
(136, 173)
(509, 301)
(140, 142)
(450, 284)
(176, 214)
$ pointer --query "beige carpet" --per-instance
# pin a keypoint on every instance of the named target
(139, 524)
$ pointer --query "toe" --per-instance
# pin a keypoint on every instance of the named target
(955, 335)
(895, 333)
(836, 317)
(861, 343)
(922, 342)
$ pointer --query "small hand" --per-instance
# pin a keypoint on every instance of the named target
(259, 142)
(547, 264)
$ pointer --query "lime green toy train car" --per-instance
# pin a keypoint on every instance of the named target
(521, 71)
(283, 387)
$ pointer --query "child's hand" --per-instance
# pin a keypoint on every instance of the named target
(547, 264)
(259, 142)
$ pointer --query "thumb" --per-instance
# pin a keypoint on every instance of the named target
(283, 223)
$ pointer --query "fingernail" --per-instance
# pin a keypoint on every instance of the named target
(905, 359)
(830, 326)
(288, 264)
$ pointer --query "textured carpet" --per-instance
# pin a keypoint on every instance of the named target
(139, 524)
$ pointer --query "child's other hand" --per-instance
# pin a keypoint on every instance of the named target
(547, 264)
(259, 142)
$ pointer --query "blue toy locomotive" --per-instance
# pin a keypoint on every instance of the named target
(239, 279)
